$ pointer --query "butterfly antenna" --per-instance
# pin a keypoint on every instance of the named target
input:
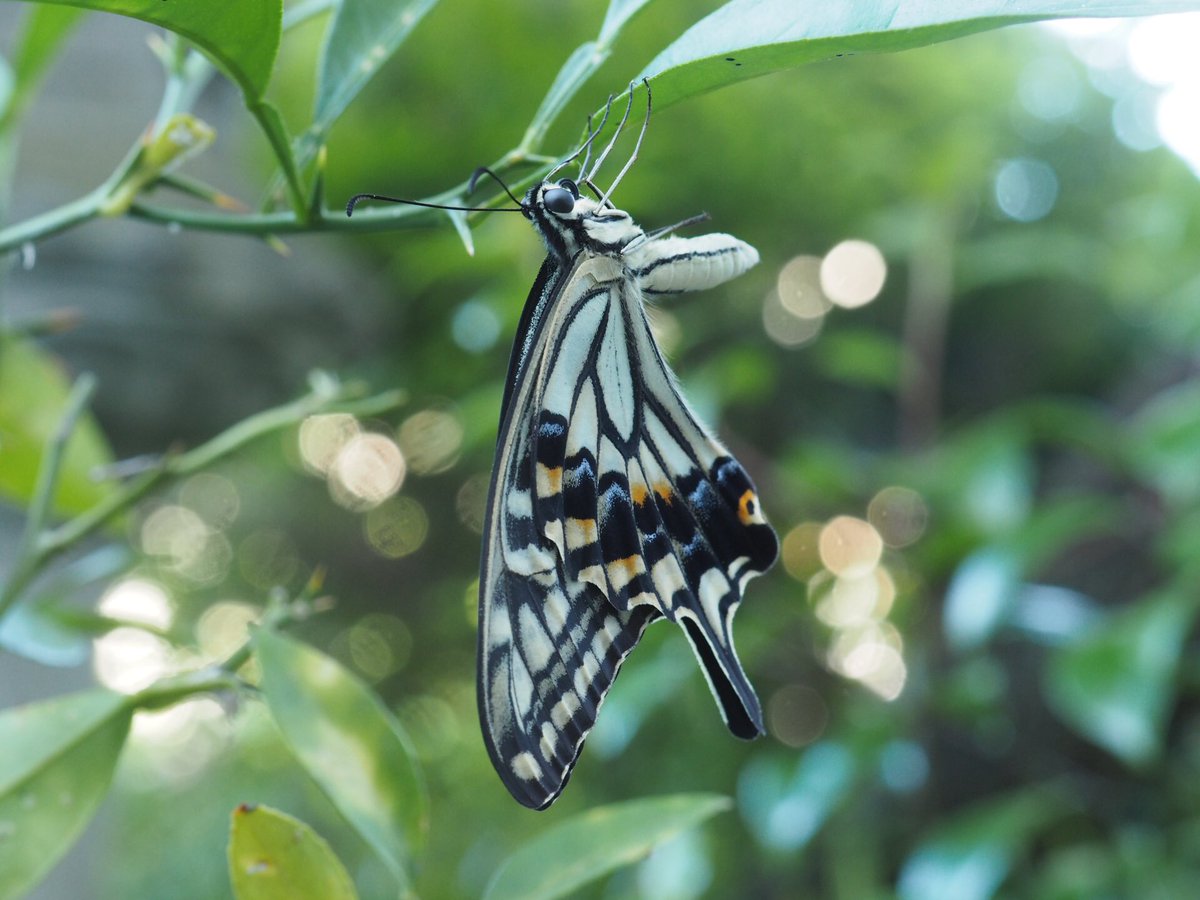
(637, 146)
(353, 202)
(484, 170)
(616, 134)
(587, 142)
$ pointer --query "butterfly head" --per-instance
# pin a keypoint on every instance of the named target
(570, 222)
(559, 198)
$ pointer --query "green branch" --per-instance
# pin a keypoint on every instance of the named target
(51, 467)
(40, 546)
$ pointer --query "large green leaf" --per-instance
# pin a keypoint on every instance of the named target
(585, 847)
(1116, 686)
(579, 67)
(747, 38)
(273, 856)
(349, 743)
(970, 855)
(57, 760)
(33, 394)
(242, 38)
(362, 36)
(619, 13)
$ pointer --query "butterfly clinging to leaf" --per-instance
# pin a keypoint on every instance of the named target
(611, 505)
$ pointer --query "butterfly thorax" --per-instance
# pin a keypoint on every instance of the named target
(569, 223)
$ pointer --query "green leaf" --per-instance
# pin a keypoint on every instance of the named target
(1164, 444)
(860, 357)
(45, 29)
(583, 848)
(362, 37)
(33, 631)
(458, 219)
(786, 806)
(241, 38)
(46, 628)
(1116, 686)
(644, 689)
(273, 856)
(570, 78)
(980, 597)
(747, 38)
(8, 86)
(57, 761)
(271, 122)
(990, 470)
(618, 14)
(579, 67)
(1055, 524)
(969, 856)
(1022, 254)
(349, 743)
(33, 392)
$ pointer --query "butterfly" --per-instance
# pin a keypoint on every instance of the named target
(611, 506)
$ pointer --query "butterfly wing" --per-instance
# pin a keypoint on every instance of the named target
(549, 645)
(611, 506)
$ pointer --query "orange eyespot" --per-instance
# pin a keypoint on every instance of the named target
(748, 511)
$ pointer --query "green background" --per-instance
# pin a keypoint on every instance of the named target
(1046, 741)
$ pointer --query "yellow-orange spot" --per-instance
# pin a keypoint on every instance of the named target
(663, 489)
(631, 564)
(623, 571)
(748, 507)
(639, 493)
(549, 480)
(580, 532)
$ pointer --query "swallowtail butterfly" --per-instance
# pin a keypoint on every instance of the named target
(611, 506)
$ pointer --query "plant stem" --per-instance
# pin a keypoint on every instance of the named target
(40, 546)
(53, 221)
(169, 691)
(926, 314)
(220, 676)
(28, 551)
(90, 205)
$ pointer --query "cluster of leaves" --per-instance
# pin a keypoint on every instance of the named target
(1111, 678)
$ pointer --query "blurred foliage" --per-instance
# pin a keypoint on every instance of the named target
(1016, 414)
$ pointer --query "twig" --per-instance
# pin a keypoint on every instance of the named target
(39, 546)
(43, 494)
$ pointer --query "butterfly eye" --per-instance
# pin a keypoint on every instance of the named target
(558, 200)
(568, 185)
